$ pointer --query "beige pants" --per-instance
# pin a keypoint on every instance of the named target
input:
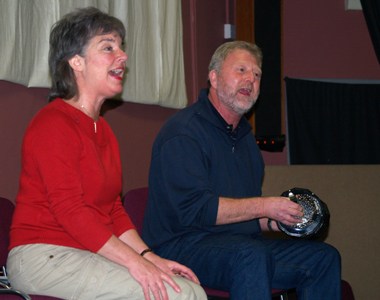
(70, 273)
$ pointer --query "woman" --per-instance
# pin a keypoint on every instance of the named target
(70, 235)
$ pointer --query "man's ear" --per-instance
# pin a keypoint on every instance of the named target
(76, 62)
(213, 78)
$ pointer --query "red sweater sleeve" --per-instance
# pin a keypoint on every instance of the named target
(70, 182)
(121, 219)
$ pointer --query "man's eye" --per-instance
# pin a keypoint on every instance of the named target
(108, 48)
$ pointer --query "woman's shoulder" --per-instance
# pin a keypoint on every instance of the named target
(55, 112)
(52, 120)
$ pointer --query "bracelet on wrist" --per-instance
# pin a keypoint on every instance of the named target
(146, 251)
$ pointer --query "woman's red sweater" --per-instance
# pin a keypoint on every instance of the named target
(70, 182)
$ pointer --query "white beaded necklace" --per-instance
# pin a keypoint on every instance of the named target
(88, 113)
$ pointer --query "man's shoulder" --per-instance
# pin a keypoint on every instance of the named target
(184, 119)
(186, 124)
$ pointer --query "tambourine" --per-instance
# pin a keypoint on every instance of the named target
(316, 214)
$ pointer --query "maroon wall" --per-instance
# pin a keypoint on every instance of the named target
(321, 39)
(17, 106)
(203, 26)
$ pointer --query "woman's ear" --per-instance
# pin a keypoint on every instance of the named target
(76, 62)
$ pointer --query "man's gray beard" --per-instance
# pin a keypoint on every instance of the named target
(232, 104)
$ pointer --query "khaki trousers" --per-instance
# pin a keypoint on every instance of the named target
(70, 273)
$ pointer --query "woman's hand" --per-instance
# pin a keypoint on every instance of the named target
(171, 267)
(151, 277)
(150, 271)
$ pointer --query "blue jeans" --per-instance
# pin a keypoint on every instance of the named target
(250, 267)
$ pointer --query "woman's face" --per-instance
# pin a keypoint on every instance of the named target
(103, 67)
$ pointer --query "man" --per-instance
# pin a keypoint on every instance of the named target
(205, 208)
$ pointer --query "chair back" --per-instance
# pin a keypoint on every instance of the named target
(6, 213)
(134, 202)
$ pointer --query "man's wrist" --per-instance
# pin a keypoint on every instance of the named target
(269, 225)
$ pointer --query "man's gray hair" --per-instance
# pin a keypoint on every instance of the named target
(223, 50)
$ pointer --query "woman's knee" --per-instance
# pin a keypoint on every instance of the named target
(189, 290)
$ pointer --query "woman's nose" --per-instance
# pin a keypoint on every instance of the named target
(123, 56)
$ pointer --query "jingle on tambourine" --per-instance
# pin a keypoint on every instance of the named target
(316, 214)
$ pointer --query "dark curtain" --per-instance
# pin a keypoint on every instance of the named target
(371, 11)
(333, 123)
(267, 30)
